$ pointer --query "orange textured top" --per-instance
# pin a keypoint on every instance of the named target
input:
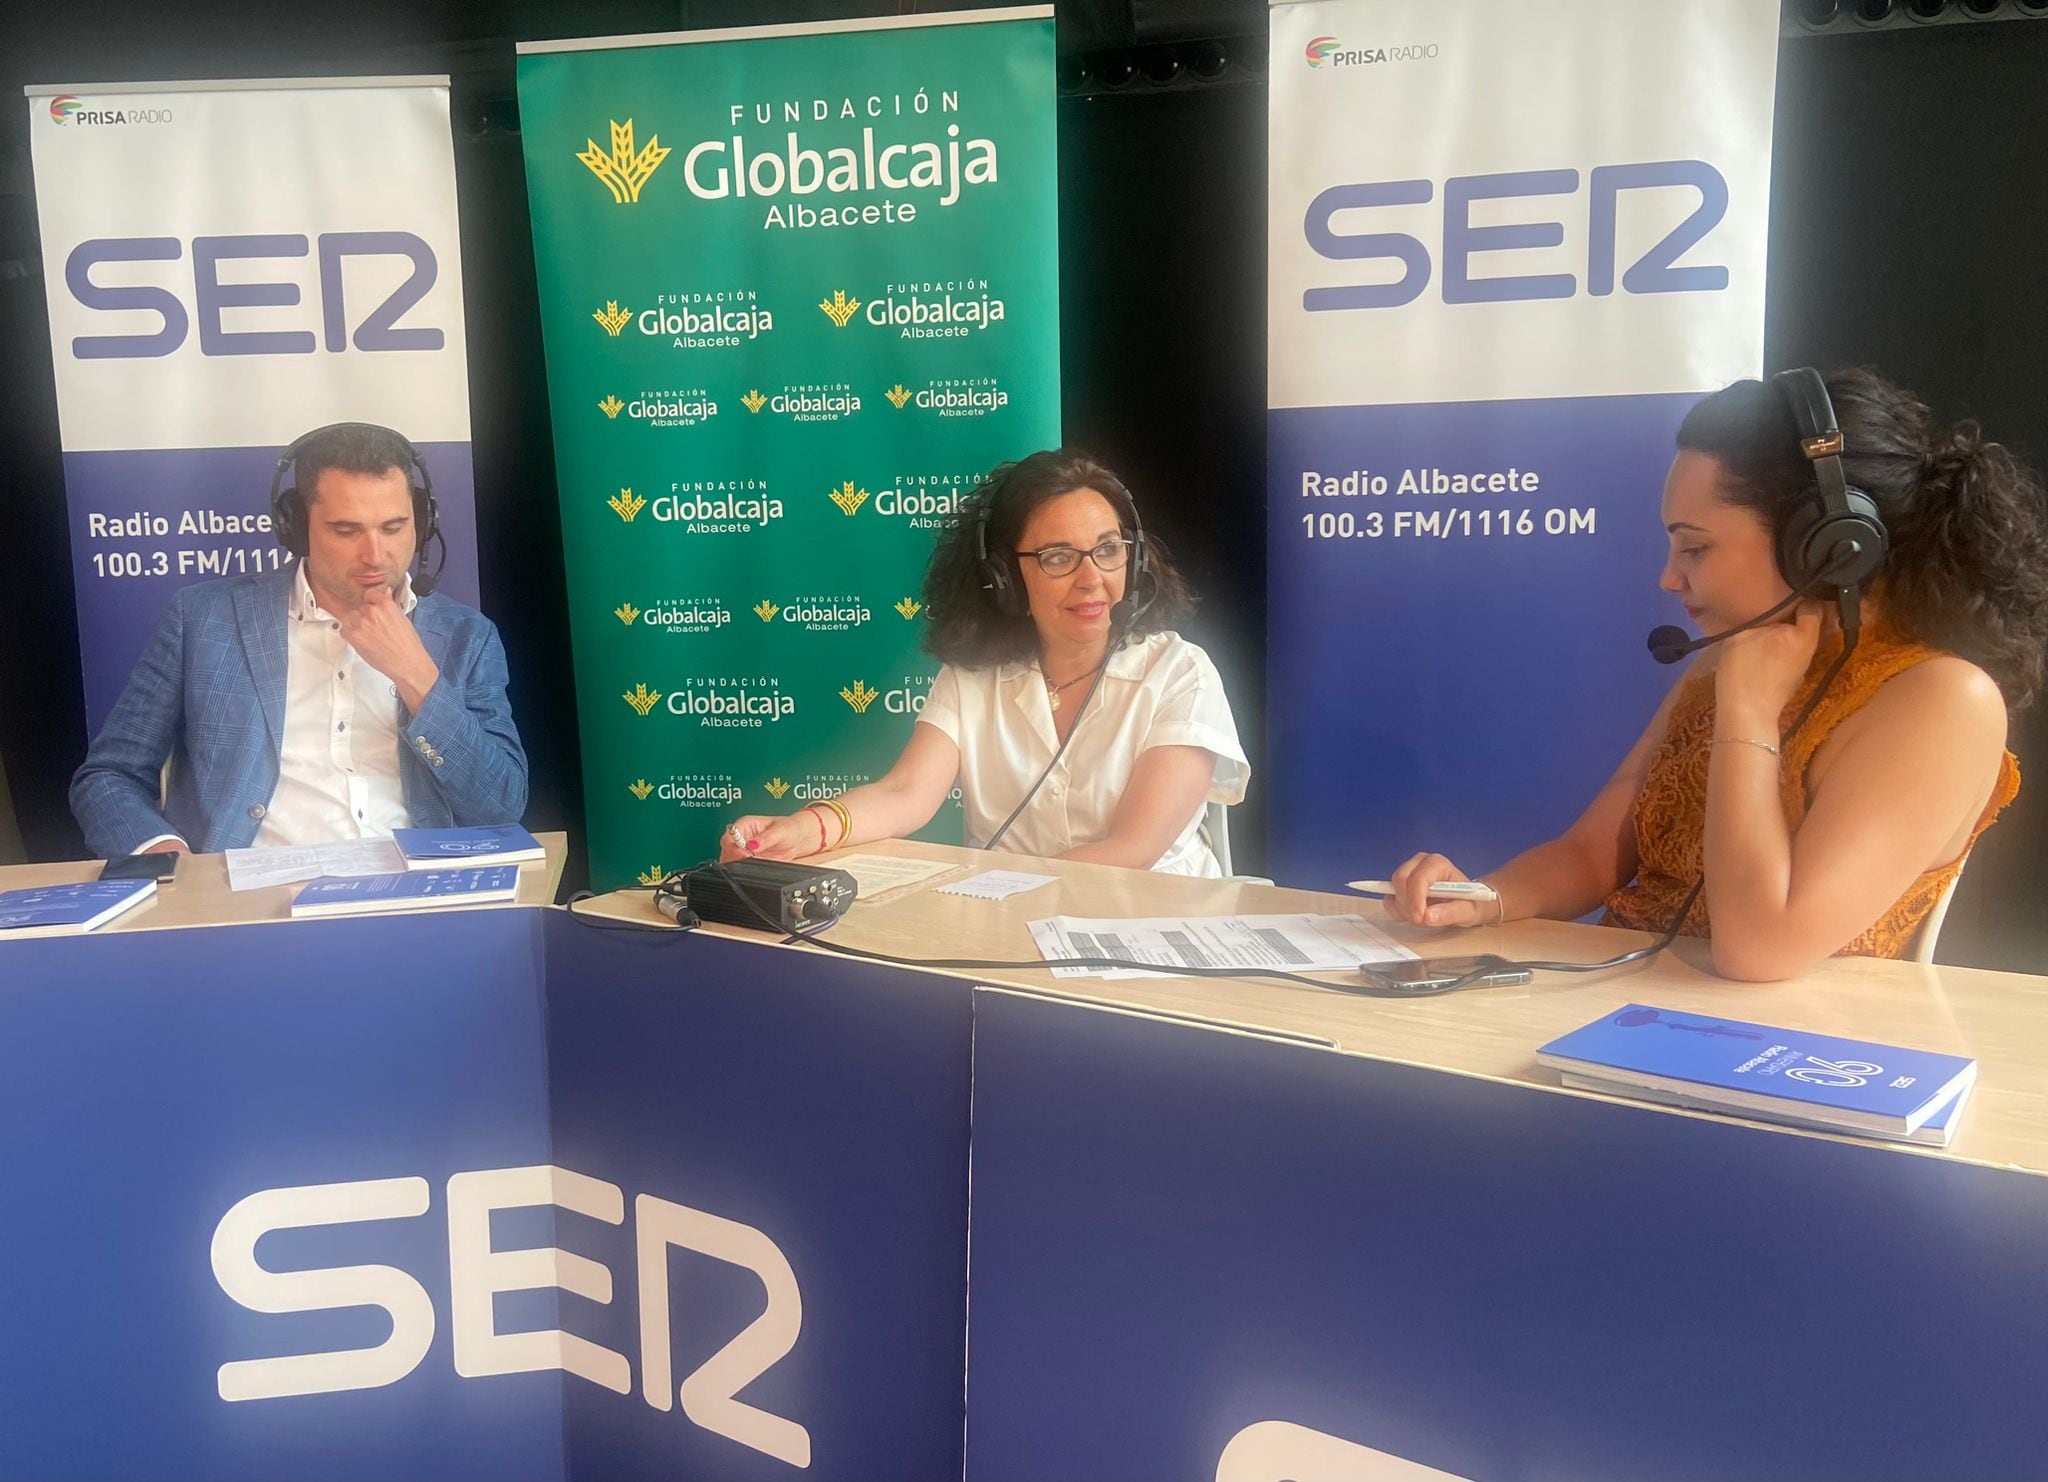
(1671, 810)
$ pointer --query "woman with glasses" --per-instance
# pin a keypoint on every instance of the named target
(1064, 698)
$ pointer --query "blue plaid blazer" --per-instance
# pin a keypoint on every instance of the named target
(208, 695)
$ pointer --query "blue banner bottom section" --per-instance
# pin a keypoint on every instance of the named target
(1458, 598)
(145, 522)
(423, 1149)
(501, 1194)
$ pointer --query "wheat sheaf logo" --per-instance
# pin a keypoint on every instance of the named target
(611, 406)
(625, 169)
(766, 610)
(848, 498)
(776, 787)
(753, 401)
(652, 875)
(839, 308)
(859, 697)
(640, 789)
(909, 607)
(625, 612)
(641, 698)
(612, 317)
(626, 504)
(898, 396)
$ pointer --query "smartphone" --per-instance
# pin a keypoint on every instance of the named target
(1434, 972)
(159, 867)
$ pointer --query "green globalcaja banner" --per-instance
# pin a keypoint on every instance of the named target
(799, 291)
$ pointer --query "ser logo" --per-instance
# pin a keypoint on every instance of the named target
(378, 330)
(1653, 272)
(476, 1273)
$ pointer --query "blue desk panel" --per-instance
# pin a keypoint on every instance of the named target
(798, 1125)
(1180, 1233)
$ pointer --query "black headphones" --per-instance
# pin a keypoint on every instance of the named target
(288, 505)
(1002, 578)
(1834, 543)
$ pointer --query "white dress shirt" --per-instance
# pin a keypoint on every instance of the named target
(337, 773)
(1159, 691)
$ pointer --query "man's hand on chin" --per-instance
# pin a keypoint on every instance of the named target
(388, 643)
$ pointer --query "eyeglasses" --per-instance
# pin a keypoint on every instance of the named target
(1058, 560)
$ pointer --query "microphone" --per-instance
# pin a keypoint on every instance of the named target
(1669, 643)
(425, 581)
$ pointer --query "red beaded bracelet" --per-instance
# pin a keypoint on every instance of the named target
(819, 814)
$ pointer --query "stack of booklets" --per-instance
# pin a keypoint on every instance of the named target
(65, 910)
(346, 895)
(1773, 1075)
(447, 848)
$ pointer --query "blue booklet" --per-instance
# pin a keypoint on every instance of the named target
(445, 848)
(339, 895)
(62, 910)
(1756, 1070)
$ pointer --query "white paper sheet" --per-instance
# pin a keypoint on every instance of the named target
(257, 869)
(1291, 943)
(995, 885)
(875, 873)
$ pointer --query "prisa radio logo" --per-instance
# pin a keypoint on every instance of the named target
(66, 109)
(1328, 51)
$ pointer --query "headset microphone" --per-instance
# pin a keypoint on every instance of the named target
(1670, 643)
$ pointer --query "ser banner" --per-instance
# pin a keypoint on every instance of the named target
(799, 291)
(229, 265)
(1509, 245)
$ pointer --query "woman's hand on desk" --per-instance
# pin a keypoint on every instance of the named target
(791, 836)
(1410, 901)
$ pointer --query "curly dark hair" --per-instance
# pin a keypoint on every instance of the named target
(966, 626)
(1968, 522)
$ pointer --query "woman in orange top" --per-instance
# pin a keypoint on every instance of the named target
(1844, 837)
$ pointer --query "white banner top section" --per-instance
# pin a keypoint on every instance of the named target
(1516, 198)
(228, 268)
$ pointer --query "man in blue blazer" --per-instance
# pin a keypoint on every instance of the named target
(334, 698)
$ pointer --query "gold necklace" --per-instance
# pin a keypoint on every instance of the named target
(1052, 691)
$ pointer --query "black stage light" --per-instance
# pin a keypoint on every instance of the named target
(1980, 7)
(1926, 10)
(1817, 13)
(1209, 59)
(1875, 12)
(1113, 71)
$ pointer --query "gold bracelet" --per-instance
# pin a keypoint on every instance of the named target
(1745, 741)
(1501, 901)
(845, 820)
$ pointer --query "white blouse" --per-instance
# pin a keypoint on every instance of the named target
(1158, 691)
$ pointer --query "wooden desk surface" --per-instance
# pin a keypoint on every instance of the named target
(2000, 1019)
(199, 895)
